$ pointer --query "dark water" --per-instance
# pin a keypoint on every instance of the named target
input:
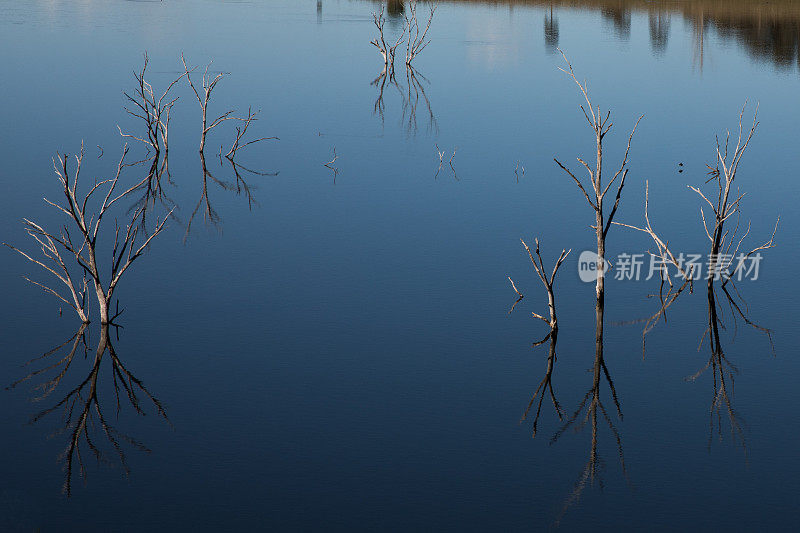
(340, 356)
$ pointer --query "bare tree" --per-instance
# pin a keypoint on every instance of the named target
(600, 125)
(83, 247)
(552, 322)
(722, 240)
(727, 258)
(417, 35)
(592, 404)
(386, 50)
(154, 111)
(208, 84)
(241, 131)
(664, 257)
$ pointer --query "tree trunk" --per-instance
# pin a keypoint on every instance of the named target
(601, 260)
(102, 303)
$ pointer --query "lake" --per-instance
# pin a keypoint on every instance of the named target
(320, 337)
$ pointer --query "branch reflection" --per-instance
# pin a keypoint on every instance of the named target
(84, 409)
(412, 93)
(238, 185)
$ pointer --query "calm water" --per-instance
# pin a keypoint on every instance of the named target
(340, 355)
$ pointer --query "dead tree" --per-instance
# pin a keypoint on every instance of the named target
(208, 84)
(721, 239)
(726, 261)
(664, 257)
(78, 238)
(154, 111)
(82, 406)
(552, 335)
(386, 50)
(725, 244)
(417, 36)
(600, 125)
(241, 131)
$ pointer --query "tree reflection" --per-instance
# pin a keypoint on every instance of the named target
(620, 18)
(723, 371)
(237, 185)
(412, 94)
(590, 410)
(769, 31)
(659, 23)
(551, 33)
(395, 8)
(84, 408)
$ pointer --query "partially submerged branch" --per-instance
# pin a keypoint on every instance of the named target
(203, 95)
(386, 50)
(417, 35)
(241, 131)
(548, 281)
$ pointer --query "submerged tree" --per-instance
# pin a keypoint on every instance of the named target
(727, 259)
(417, 34)
(552, 322)
(386, 50)
(600, 125)
(78, 238)
(727, 264)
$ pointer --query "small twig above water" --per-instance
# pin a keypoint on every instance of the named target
(519, 171)
(241, 131)
(330, 163)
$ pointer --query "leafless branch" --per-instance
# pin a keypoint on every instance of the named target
(548, 283)
(203, 95)
(417, 36)
(241, 131)
(386, 50)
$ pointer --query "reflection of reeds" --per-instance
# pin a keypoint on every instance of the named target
(768, 30)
